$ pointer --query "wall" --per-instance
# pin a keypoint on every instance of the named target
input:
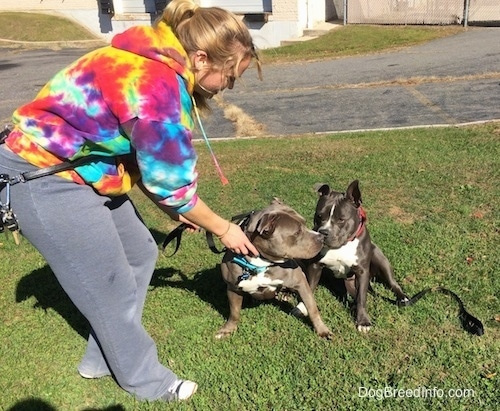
(287, 21)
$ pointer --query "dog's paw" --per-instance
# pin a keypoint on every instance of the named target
(299, 311)
(327, 335)
(224, 332)
(364, 328)
(221, 334)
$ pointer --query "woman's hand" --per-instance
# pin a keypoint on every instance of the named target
(191, 227)
(236, 240)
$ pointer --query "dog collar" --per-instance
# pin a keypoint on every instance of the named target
(247, 265)
(361, 226)
(250, 269)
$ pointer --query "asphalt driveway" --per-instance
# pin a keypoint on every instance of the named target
(453, 80)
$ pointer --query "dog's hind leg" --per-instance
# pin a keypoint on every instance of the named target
(382, 269)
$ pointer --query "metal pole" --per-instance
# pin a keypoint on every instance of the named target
(345, 12)
(466, 12)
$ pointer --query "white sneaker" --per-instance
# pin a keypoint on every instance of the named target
(93, 376)
(186, 389)
(181, 390)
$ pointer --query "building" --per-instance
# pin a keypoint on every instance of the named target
(269, 21)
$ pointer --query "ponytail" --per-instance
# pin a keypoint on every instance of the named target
(177, 12)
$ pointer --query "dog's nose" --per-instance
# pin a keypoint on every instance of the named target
(324, 233)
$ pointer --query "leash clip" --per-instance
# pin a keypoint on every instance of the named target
(8, 219)
(245, 276)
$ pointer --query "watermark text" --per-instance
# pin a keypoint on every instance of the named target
(419, 392)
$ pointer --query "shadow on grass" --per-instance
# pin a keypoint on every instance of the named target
(209, 286)
(44, 287)
(33, 404)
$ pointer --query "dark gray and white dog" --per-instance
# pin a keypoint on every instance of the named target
(280, 235)
(348, 250)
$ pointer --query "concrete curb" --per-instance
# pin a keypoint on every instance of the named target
(53, 44)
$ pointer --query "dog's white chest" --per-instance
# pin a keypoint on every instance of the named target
(341, 259)
(259, 283)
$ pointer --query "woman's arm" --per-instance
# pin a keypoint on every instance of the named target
(201, 215)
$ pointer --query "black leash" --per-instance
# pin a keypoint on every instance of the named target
(43, 172)
(46, 171)
(4, 134)
(176, 234)
(469, 323)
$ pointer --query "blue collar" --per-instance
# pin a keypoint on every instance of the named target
(247, 265)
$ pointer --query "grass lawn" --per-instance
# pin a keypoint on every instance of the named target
(432, 198)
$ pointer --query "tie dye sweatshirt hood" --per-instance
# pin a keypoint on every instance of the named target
(142, 80)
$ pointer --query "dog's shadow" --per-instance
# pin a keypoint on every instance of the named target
(209, 286)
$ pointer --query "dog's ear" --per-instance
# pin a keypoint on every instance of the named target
(353, 193)
(267, 224)
(322, 189)
(277, 200)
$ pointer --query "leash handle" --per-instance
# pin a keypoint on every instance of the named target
(175, 234)
(469, 323)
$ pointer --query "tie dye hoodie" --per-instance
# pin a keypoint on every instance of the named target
(143, 75)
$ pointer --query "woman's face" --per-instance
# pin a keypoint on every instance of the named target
(210, 80)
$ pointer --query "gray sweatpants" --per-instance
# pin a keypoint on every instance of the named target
(103, 256)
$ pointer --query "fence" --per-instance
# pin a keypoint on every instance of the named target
(422, 11)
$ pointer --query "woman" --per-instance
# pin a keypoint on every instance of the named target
(130, 104)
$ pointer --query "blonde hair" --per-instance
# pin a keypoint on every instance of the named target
(216, 31)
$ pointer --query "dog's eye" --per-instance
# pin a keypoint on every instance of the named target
(266, 233)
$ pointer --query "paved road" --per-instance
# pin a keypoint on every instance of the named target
(447, 81)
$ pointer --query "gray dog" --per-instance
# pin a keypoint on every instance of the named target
(280, 235)
(349, 251)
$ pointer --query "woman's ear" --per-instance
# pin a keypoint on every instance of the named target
(200, 60)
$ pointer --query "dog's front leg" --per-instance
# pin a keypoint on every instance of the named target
(311, 307)
(363, 322)
(313, 274)
(235, 303)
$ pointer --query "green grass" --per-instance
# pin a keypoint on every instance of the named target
(358, 39)
(432, 198)
(340, 42)
(20, 26)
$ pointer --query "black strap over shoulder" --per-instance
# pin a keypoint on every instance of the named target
(42, 172)
(46, 171)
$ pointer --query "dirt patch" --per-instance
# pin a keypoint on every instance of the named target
(399, 215)
(245, 125)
